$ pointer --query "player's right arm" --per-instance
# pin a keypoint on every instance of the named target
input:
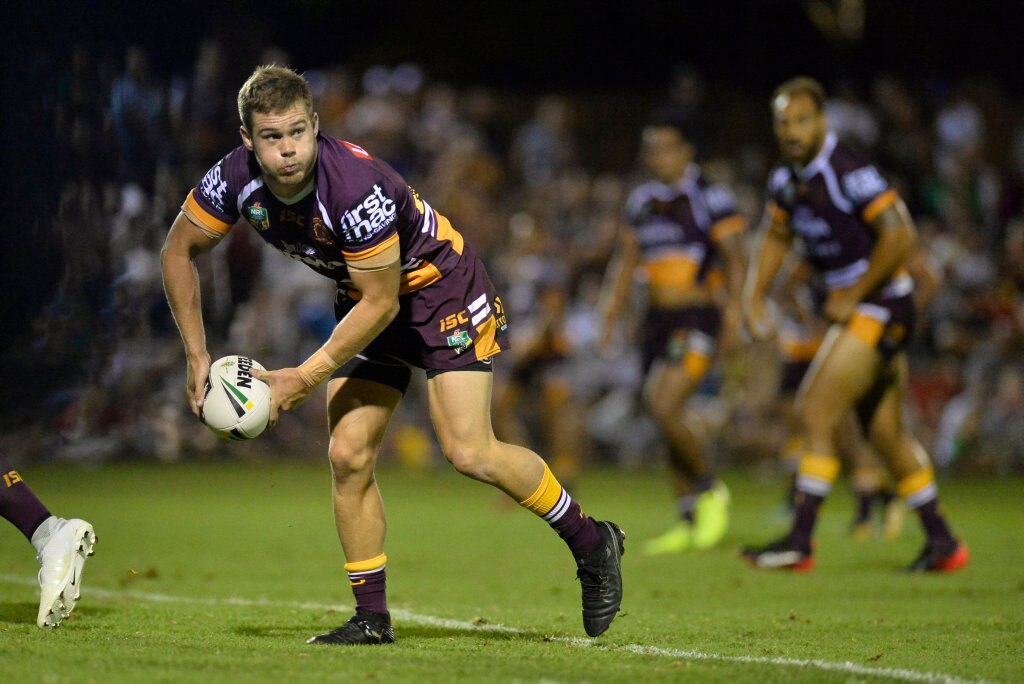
(774, 240)
(618, 283)
(185, 241)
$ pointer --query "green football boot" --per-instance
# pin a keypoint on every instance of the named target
(711, 516)
(677, 539)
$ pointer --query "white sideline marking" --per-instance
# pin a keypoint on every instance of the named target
(432, 621)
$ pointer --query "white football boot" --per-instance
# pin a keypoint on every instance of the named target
(63, 554)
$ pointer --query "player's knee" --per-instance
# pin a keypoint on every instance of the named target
(886, 440)
(816, 422)
(467, 458)
(663, 410)
(349, 460)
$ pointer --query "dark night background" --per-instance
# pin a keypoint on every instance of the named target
(619, 53)
(568, 45)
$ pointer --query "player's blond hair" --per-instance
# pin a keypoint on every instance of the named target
(272, 88)
(802, 85)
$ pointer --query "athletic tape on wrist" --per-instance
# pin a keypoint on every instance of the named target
(317, 368)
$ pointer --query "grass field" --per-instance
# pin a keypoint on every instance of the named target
(220, 572)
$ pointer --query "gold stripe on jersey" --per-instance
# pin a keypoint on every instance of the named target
(366, 565)
(372, 251)
(866, 329)
(673, 272)
(485, 345)
(417, 279)
(878, 205)
(204, 218)
(445, 231)
(730, 225)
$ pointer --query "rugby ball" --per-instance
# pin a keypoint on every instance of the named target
(237, 405)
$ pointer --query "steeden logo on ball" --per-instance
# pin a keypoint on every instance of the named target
(237, 405)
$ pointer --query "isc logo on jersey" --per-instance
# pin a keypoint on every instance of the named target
(373, 213)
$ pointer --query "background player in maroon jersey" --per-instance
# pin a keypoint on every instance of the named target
(858, 235)
(682, 231)
(411, 294)
(800, 297)
(62, 546)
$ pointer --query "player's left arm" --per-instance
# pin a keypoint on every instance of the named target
(618, 283)
(377, 279)
(728, 236)
(895, 237)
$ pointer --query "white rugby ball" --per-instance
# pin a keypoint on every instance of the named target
(237, 405)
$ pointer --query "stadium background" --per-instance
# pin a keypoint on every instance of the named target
(490, 111)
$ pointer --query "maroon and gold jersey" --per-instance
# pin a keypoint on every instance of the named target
(829, 204)
(676, 227)
(355, 207)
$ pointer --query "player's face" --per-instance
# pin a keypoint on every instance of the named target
(285, 147)
(666, 154)
(799, 127)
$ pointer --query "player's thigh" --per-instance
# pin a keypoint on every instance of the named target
(667, 387)
(881, 412)
(460, 409)
(844, 370)
(358, 413)
(853, 444)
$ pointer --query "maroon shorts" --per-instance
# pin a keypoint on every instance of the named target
(671, 333)
(791, 374)
(798, 344)
(458, 321)
(885, 323)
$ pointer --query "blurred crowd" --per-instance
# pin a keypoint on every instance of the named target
(536, 183)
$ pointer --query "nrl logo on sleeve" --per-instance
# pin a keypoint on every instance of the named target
(214, 187)
(258, 216)
(372, 213)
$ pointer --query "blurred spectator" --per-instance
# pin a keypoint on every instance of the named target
(851, 118)
(544, 146)
(138, 112)
(131, 140)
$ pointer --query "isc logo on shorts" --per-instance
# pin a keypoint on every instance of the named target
(373, 213)
(477, 311)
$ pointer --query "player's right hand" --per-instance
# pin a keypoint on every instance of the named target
(287, 390)
(759, 318)
(195, 381)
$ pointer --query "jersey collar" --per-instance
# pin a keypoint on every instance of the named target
(300, 195)
(820, 159)
(684, 184)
